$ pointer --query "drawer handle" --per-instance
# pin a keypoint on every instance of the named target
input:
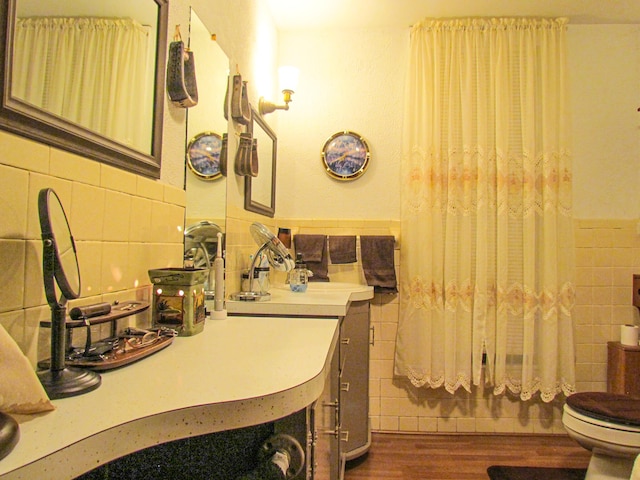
(345, 341)
(334, 433)
(344, 436)
(345, 386)
(372, 336)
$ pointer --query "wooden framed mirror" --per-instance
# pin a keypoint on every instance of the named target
(260, 191)
(60, 119)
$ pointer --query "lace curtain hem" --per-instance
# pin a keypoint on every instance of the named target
(547, 393)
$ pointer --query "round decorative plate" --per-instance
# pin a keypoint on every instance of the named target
(203, 155)
(345, 155)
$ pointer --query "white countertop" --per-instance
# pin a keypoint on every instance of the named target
(322, 299)
(238, 372)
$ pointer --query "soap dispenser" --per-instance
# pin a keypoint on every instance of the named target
(299, 276)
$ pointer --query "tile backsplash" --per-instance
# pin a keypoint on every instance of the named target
(123, 225)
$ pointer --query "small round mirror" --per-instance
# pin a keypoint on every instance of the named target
(278, 255)
(60, 259)
(60, 268)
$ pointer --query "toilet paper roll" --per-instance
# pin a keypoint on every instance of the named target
(629, 335)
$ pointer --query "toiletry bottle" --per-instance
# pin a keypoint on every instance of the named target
(298, 277)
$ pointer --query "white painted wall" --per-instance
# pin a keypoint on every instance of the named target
(604, 63)
(349, 80)
(354, 80)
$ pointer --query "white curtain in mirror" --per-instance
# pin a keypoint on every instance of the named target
(92, 71)
(487, 255)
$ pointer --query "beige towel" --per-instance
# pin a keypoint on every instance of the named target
(20, 389)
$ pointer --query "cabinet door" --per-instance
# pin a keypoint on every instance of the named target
(325, 422)
(354, 382)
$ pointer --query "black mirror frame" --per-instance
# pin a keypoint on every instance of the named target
(23, 119)
(249, 203)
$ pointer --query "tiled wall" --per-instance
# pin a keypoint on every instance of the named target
(607, 255)
(123, 224)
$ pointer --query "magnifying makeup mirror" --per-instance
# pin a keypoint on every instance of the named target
(60, 267)
(277, 254)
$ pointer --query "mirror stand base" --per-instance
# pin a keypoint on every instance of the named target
(251, 297)
(68, 382)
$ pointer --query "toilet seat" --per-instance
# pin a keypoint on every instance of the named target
(609, 407)
(604, 422)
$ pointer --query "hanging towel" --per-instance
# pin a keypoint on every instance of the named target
(378, 263)
(314, 254)
(342, 249)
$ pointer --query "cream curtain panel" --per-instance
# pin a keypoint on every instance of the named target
(487, 254)
(91, 71)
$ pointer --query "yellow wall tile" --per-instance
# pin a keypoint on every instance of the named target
(23, 153)
(117, 217)
(148, 188)
(116, 179)
(14, 191)
(115, 265)
(87, 211)
(74, 167)
(140, 229)
(12, 259)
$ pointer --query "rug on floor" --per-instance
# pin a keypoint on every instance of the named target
(497, 472)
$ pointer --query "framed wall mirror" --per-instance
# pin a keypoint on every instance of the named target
(70, 98)
(260, 191)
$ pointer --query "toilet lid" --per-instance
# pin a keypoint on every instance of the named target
(610, 407)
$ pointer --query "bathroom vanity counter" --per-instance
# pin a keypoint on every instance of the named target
(238, 372)
(322, 299)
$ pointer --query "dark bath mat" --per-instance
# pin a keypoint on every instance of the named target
(535, 473)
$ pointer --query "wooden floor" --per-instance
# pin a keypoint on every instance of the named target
(460, 457)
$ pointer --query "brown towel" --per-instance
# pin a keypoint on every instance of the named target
(314, 254)
(342, 249)
(378, 263)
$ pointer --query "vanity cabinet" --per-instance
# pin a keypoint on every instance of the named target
(354, 380)
(324, 433)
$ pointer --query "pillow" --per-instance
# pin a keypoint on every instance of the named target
(20, 389)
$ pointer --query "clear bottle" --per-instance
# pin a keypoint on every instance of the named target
(298, 277)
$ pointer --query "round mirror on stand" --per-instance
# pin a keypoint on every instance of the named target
(277, 254)
(60, 267)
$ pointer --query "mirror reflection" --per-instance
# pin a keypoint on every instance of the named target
(260, 191)
(42, 103)
(206, 199)
(91, 63)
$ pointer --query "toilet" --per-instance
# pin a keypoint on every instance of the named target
(608, 425)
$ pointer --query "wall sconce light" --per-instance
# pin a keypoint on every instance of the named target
(288, 77)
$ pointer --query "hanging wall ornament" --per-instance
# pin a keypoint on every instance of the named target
(181, 74)
(240, 108)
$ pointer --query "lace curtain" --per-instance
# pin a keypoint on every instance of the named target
(92, 71)
(487, 254)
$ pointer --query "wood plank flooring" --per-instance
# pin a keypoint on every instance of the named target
(460, 457)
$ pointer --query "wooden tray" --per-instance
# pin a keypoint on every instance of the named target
(116, 358)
